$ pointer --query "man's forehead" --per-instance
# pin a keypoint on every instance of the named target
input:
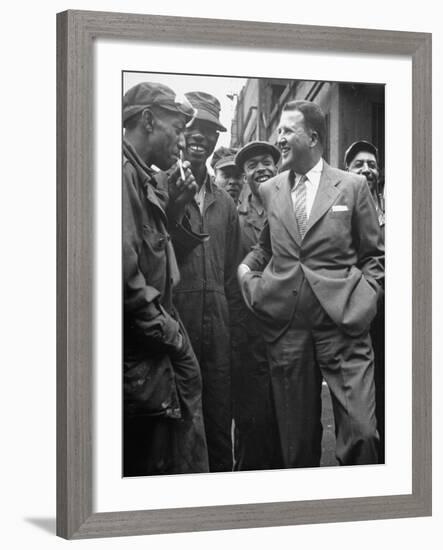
(231, 170)
(201, 124)
(364, 155)
(292, 117)
(258, 157)
(170, 116)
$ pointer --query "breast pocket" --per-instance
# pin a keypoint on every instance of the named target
(153, 258)
(340, 216)
(339, 227)
(154, 239)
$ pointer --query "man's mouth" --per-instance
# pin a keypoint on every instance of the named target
(284, 150)
(261, 179)
(197, 148)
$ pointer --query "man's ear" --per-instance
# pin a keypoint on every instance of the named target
(314, 138)
(147, 120)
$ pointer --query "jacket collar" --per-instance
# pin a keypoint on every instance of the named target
(326, 194)
(153, 183)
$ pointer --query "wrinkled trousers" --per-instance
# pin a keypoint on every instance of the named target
(313, 348)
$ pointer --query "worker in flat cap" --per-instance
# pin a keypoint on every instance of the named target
(258, 162)
(163, 430)
(362, 158)
(227, 175)
(207, 296)
(256, 436)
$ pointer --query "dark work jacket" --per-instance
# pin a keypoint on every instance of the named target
(163, 419)
(252, 220)
(151, 325)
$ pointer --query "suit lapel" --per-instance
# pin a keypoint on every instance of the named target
(285, 208)
(327, 192)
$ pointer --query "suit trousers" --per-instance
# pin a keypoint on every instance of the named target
(313, 348)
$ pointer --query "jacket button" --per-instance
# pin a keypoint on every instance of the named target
(294, 292)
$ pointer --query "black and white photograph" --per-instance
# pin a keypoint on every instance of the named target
(253, 273)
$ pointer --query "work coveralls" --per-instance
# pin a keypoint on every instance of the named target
(210, 305)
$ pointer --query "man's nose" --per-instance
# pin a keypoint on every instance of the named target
(197, 136)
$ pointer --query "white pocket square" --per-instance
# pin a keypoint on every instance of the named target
(339, 208)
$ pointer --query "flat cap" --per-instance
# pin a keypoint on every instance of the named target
(147, 94)
(207, 107)
(358, 146)
(256, 148)
(223, 157)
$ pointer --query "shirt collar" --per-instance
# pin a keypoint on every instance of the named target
(313, 174)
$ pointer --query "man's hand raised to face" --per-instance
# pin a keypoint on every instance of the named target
(181, 191)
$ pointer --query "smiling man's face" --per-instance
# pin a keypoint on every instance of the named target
(201, 139)
(365, 164)
(257, 169)
(294, 141)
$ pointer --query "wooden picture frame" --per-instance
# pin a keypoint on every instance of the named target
(76, 32)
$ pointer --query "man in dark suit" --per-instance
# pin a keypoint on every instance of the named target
(314, 280)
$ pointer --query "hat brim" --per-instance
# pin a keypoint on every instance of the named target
(356, 148)
(208, 117)
(132, 110)
(225, 163)
(252, 149)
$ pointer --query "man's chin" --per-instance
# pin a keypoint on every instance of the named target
(196, 160)
(285, 163)
(196, 156)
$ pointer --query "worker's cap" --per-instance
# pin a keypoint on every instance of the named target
(207, 108)
(356, 148)
(148, 94)
(223, 157)
(254, 148)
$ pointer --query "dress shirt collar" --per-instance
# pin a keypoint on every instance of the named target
(313, 175)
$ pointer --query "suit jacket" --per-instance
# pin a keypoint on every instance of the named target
(341, 254)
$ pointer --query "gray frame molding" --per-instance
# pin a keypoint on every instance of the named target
(76, 31)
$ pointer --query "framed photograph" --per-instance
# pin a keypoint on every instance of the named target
(368, 83)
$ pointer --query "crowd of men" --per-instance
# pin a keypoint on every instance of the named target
(243, 290)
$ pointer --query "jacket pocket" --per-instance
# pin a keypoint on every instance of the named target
(361, 307)
(155, 240)
(150, 388)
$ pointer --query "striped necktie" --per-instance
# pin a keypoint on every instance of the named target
(300, 205)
